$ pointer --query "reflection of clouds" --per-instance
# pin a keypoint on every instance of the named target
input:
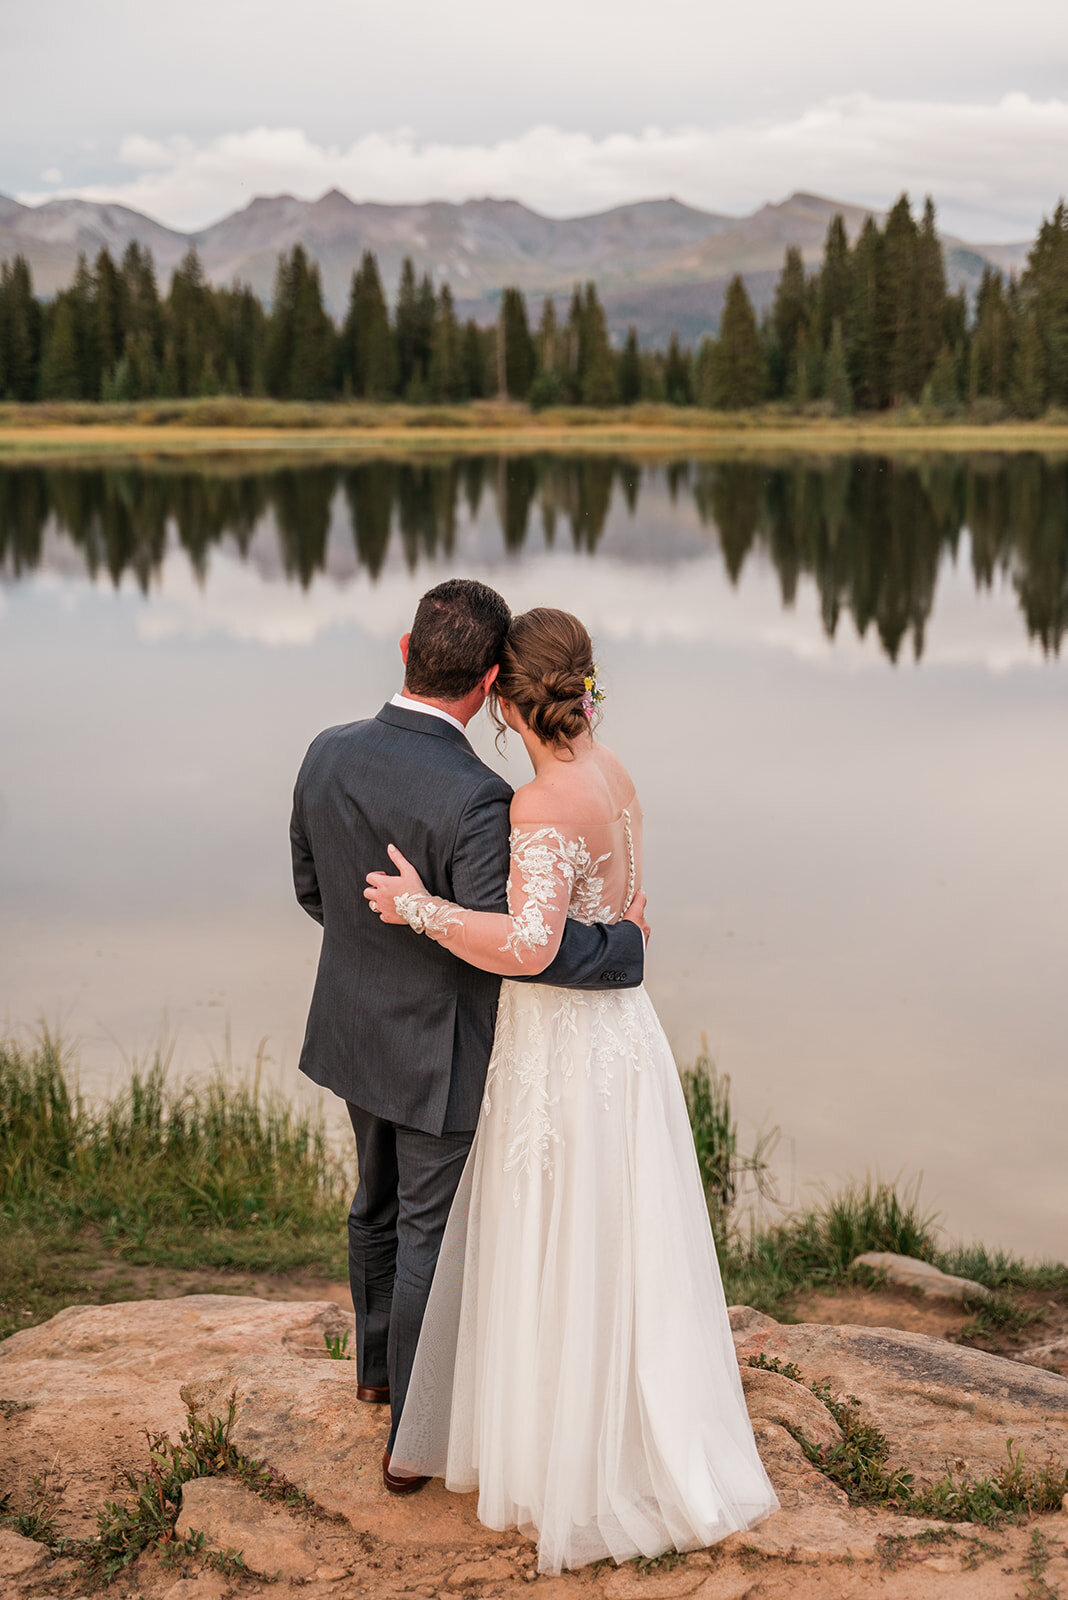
(688, 604)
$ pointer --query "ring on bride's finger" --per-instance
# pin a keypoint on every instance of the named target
(374, 907)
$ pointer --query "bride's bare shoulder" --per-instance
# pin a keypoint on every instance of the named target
(593, 790)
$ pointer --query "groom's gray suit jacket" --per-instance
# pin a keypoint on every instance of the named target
(398, 1025)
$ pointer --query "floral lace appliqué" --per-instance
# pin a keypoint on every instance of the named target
(426, 915)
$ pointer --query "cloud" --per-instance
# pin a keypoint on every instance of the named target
(993, 168)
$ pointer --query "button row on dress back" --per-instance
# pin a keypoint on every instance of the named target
(630, 859)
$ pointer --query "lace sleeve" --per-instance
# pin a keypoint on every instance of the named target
(524, 941)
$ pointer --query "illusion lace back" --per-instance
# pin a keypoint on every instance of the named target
(576, 1364)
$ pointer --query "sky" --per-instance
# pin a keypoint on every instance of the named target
(189, 112)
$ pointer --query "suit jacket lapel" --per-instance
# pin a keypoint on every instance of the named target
(422, 722)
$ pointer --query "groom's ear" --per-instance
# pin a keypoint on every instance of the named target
(404, 648)
(489, 680)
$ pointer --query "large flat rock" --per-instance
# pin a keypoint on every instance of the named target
(937, 1402)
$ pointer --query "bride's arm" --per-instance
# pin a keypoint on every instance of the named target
(520, 943)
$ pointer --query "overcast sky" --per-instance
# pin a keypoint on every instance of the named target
(187, 111)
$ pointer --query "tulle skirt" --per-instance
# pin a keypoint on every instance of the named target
(576, 1365)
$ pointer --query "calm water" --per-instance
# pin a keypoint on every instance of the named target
(838, 688)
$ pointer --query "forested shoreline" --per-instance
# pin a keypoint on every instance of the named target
(873, 328)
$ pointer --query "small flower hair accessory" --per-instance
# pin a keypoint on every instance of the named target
(594, 696)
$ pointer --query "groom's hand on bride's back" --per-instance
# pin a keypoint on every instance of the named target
(636, 914)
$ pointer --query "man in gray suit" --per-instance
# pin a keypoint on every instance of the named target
(399, 1027)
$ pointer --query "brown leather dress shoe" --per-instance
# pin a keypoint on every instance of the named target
(373, 1396)
(396, 1484)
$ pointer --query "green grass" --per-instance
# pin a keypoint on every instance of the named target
(223, 1175)
(217, 1175)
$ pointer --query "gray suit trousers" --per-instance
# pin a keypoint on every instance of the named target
(407, 1181)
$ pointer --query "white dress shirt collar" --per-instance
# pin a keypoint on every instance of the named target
(407, 704)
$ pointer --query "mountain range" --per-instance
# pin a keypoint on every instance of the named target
(659, 264)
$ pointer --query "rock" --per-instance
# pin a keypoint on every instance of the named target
(744, 1320)
(727, 1586)
(817, 1534)
(18, 1554)
(95, 1377)
(911, 1273)
(331, 1574)
(206, 1586)
(232, 1518)
(795, 1480)
(1053, 1355)
(935, 1401)
(494, 1570)
(627, 1583)
(303, 1417)
(773, 1398)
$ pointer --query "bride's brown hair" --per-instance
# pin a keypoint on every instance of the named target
(545, 661)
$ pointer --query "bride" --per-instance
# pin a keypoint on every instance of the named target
(575, 1363)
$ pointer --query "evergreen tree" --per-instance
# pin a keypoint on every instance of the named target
(474, 360)
(991, 346)
(1044, 294)
(367, 353)
(705, 378)
(406, 329)
(630, 369)
(864, 337)
(515, 347)
(899, 305)
(547, 339)
(109, 317)
(1029, 388)
(142, 348)
(739, 377)
(446, 374)
(930, 294)
(788, 318)
(426, 306)
(573, 347)
(190, 334)
(60, 375)
(941, 392)
(300, 348)
(597, 367)
(678, 377)
(20, 332)
(835, 280)
(836, 385)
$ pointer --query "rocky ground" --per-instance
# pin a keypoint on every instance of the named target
(77, 1393)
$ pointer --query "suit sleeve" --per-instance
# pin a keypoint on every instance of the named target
(600, 956)
(305, 879)
(480, 858)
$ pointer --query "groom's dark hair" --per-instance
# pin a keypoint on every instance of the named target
(457, 635)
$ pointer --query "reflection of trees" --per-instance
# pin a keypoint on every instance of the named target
(870, 533)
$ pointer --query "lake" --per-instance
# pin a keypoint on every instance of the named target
(838, 686)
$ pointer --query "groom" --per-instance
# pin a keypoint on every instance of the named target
(399, 1027)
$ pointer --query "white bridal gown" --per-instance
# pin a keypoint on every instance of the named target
(576, 1365)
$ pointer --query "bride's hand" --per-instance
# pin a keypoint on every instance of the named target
(383, 888)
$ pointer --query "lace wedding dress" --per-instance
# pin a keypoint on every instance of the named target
(576, 1365)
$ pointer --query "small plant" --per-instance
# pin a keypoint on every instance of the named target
(337, 1346)
(661, 1563)
(724, 1172)
(1038, 1559)
(859, 1465)
(33, 1513)
(1000, 1315)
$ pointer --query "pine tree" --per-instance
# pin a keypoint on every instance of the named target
(836, 385)
(678, 378)
(1044, 294)
(930, 294)
(110, 317)
(20, 332)
(739, 373)
(630, 369)
(991, 346)
(597, 367)
(573, 348)
(406, 328)
(300, 353)
(190, 333)
(866, 345)
(899, 303)
(60, 375)
(1029, 383)
(367, 352)
(788, 317)
(446, 375)
(835, 280)
(515, 346)
(474, 358)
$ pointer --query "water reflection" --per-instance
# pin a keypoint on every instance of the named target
(870, 532)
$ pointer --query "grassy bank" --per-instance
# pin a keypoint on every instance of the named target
(181, 427)
(227, 1177)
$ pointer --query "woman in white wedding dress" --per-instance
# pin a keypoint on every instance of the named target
(575, 1365)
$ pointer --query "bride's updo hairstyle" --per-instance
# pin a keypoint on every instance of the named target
(546, 659)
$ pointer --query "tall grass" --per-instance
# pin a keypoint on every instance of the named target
(217, 1154)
